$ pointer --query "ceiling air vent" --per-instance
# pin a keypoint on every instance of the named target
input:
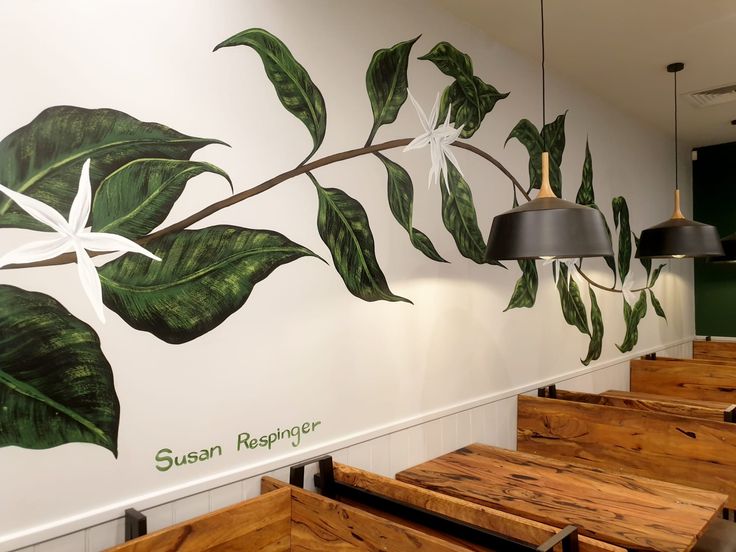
(713, 96)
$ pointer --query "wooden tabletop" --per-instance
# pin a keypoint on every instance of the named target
(630, 511)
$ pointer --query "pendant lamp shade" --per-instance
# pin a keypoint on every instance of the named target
(729, 250)
(548, 227)
(679, 237)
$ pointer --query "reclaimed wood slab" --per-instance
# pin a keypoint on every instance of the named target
(716, 350)
(688, 451)
(263, 523)
(503, 523)
(648, 402)
(625, 510)
(690, 380)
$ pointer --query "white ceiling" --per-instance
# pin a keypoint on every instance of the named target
(618, 49)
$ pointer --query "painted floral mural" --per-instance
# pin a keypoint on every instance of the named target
(100, 181)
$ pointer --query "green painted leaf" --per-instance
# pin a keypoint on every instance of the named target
(573, 308)
(401, 202)
(470, 98)
(387, 83)
(137, 197)
(621, 220)
(655, 275)
(553, 135)
(44, 158)
(469, 104)
(459, 216)
(525, 291)
(294, 87)
(632, 317)
(657, 305)
(596, 339)
(451, 61)
(343, 226)
(586, 196)
(204, 276)
(646, 263)
(56, 386)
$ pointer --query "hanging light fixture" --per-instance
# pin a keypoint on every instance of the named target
(729, 250)
(679, 237)
(547, 226)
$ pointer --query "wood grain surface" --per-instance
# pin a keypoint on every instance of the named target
(688, 451)
(625, 510)
(691, 380)
(731, 362)
(263, 524)
(649, 402)
(715, 350)
(500, 522)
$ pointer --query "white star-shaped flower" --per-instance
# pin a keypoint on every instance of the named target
(438, 139)
(70, 236)
(572, 270)
(626, 289)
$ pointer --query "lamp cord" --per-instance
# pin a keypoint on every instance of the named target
(677, 185)
(544, 112)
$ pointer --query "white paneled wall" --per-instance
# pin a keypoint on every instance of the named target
(493, 423)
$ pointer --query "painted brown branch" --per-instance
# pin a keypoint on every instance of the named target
(267, 185)
(605, 288)
(496, 163)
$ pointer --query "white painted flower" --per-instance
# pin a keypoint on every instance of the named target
(70, 236)
(438, 139)
(572, 269)
(629, 296)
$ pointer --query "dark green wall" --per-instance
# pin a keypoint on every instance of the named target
(714, 202)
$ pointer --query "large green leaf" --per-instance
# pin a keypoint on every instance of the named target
(343, 225)
(56, 386)
(596, 339)
(469, 98)
(586, 196)
(387, 83)
(621, 220)
(525, 290)
(44, 158)
(137, 197)
(655, 275)
(573, 308)
(401, 202)
(459, 216)
(204, 277)
(657, 305)
(294, 87)
(632, 317)
(552, 138)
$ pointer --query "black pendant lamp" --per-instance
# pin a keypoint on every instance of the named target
(729, 250)
(679, 237)
(547, 226)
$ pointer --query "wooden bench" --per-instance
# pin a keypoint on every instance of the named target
(647, 402)
(691, 452)
(714, 350)
(286, 517)
(695, 360)
(684, 379)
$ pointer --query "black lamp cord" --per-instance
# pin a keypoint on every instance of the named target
(544, 112)
(677, 185)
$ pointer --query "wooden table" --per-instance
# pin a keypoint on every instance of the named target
(629, 511)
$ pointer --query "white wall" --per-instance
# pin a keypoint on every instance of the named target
(392, 384)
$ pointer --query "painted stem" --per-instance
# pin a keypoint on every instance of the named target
(303, 168)
(599, 286)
